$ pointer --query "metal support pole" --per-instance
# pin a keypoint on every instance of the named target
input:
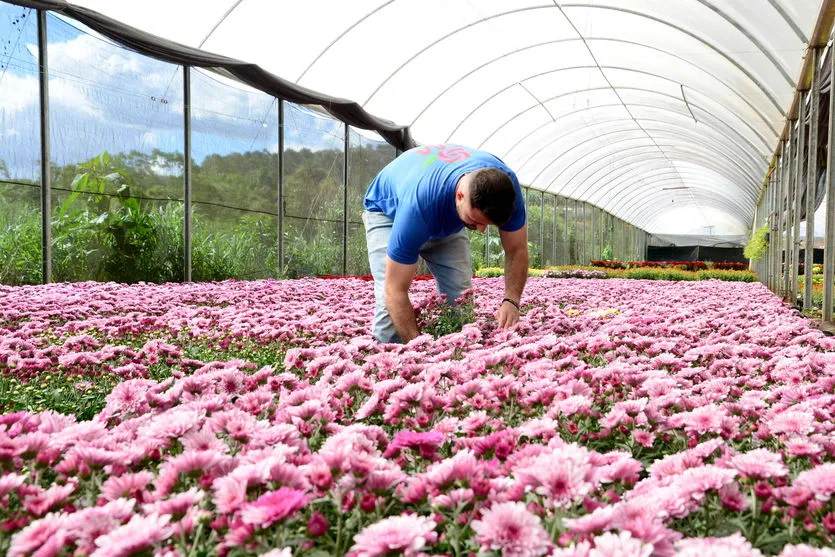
(769, 267)
(566, 235)
(280, 187)
(798, 192)
(542, 225)
(554, 235)
(789, 223)
(812, 179)
(46, 173)
(345, 202)
(187, 174)
(829, 234)
(487, 247)
(585, 259)
(778, 223)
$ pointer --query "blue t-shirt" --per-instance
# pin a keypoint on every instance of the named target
(417, 191)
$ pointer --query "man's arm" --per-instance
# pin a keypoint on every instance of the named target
(515, 245)
(398, 279)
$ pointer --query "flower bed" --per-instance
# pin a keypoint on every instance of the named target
(682, 265)
(246, 418)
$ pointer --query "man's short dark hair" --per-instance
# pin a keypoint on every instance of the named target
(492, 193)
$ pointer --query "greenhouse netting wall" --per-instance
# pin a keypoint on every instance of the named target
(268, 188)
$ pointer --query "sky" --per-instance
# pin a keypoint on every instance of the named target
(104, 97)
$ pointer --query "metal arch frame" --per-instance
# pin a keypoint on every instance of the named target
(506, 154)
(603, 106)
(342, 34)
(708, 44)
(579, 144)
(225, 15)
(705, 42)
(747, 163)
(632, 206)
(493, 60)
(703, 160)
(744, 99)
(701, 186)
(746, 168)
(741, 164)
(625, 167)
(603, 195)
(701, 189)
(624, 181)
(797, 31)
(699, 161)
(766, 52)
(633, 70)
(443, 38)
(600, 164)
(742, 138)
(599, 170)
(677, 152)
(646, 223)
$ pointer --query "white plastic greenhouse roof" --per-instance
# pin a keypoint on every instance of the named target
(666, 113)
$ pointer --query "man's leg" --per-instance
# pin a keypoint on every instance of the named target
(377, 232)
(451, 263)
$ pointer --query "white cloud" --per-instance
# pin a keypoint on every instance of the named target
(19, 92)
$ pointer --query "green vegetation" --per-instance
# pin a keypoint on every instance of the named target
(645, 273)
(758, 244)
(120, 217)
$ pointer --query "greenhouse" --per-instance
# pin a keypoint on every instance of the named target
(616, 339)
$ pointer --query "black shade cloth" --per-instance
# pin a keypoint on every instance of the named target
(162, 49)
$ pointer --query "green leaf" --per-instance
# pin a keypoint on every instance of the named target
(79, 183)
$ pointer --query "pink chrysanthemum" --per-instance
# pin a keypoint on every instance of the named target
(760, 464)
(10, 482)
(619, 545)
(512, 529)
(705, 419)
(792, 422)
(734, 544)
(273, 506)
(286, 552)
(127, 485)
(819, 481)
(801, 446)
(561, 475)
(405, 533)
(37, 534)
(426, 442)
(140, 533)
(804, 550)
(45, 499)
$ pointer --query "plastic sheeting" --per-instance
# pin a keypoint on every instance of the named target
(663, 112)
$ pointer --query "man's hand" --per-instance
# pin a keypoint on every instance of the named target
(507, 315)
(515, 245)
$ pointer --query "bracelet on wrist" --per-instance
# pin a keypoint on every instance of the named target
(516, 305)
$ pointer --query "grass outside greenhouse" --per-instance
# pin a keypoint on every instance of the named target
(254, 417)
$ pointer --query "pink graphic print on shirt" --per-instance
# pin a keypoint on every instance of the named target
(443, 153)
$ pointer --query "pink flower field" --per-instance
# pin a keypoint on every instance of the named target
(619, 418)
